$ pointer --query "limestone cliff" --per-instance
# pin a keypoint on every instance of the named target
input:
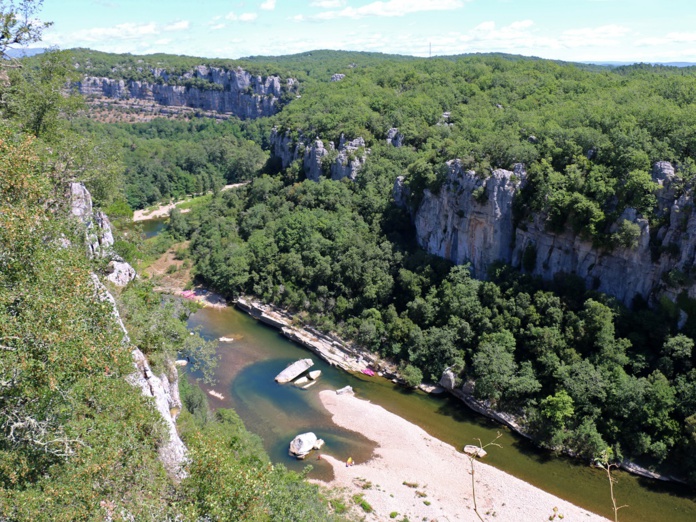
(317, 161)
(98, 235)
(470, 221)
(232, 92)
(163, 389)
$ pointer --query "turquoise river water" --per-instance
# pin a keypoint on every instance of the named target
(278, 413)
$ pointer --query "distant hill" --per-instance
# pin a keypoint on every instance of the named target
(618, 64)
(24, 53)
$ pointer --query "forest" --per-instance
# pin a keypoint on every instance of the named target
(77, 440)
(580, 370)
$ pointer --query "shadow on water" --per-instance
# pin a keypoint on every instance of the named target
(278, 413)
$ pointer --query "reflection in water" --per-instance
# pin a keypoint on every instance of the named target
(279, 412)
(152, 227)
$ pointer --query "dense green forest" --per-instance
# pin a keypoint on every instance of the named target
(580, 370)
(306, 67)
(167, 159)
(588, 139)
(77, 441)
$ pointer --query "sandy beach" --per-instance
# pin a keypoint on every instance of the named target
(437, 476)
(163, 210)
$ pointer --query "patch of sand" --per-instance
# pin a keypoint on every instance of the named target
(163, 210)
(406, 453)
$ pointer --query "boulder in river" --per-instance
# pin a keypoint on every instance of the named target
(294, 370)
(304, 443)
(301, 381)
(475, 451)
(345, 389)
(314, 375)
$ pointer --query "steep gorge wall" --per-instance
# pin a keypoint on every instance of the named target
(163, 389)
(317, 161)
(239, 93)
(470, 221)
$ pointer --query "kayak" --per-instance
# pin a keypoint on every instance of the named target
(369, 372)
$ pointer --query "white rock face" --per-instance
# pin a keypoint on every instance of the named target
(164, 390)
(470, 221)
(304, 443)
(337, 77)
(294, 370)
(240, 93)
(81, 202)
(394, 137)
(348, 159)
(121, 273)
(98, 235)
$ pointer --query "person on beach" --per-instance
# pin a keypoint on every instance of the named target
(349, 462)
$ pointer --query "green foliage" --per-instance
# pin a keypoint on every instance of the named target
(67, 413)
(557, 408)
(411, 375)
(172, 159)
(18, 26)
(627, 234)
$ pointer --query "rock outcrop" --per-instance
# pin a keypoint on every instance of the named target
(294, 370)
(98, 235)
(304, 443)
(226, 91)
(394, 137)
(120, 273)
(470, 221)
(317, 161)
(164, 390)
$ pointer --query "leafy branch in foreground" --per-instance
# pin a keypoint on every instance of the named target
(18, 26)
(472, 458)
(605, 460)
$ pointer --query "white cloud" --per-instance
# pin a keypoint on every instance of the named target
(217, 27)
(178, 26)
(268, 5)
(669, 38)
(244, 17)
(126, 31)
(328, 4)
(603, 36)
(391, 8)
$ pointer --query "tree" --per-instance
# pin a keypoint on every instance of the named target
(605, 460)
(494, 365)
(18, 25)
(412, 376)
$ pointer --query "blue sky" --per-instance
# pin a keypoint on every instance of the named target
(587, 30)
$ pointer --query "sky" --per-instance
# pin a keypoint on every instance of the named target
(573, 30)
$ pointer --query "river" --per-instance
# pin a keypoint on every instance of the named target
(278, 413)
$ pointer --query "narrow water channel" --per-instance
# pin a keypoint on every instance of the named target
(278, 413)
(152, 227)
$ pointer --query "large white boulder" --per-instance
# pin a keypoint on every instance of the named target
(294, 370)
